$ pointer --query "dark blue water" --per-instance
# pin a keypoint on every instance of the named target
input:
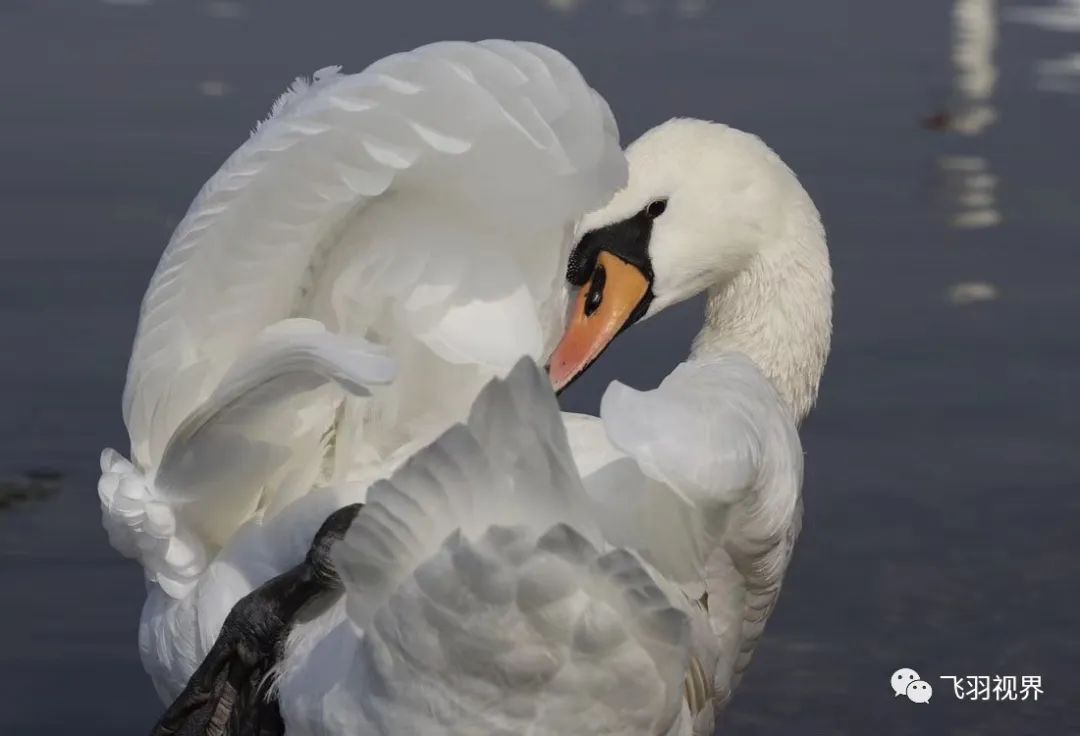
(943, 462)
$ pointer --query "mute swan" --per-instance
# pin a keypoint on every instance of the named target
(699, 479)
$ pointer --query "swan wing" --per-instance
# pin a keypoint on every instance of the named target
(462, 160)
(423, 203)
(263, 429)
(260, 437)
(702, 477)
(480, 598)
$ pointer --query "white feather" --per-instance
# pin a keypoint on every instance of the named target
(265, 422)
(488, 592)
(480, 599)
(380, 208)
(701, 477)
(433, 126)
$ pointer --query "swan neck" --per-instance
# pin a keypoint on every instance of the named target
(777, 312)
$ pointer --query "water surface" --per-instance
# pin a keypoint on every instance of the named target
(939, 140)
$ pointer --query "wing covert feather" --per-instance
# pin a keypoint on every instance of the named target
(482, 599)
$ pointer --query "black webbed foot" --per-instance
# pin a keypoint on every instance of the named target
(230, 693)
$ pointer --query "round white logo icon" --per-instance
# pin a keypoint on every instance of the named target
(906, 681)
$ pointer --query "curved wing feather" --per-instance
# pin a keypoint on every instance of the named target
(442, 125)
(251, 446)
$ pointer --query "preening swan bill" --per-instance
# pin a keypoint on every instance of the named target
(357, 504)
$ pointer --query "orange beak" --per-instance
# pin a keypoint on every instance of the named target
(603, 307)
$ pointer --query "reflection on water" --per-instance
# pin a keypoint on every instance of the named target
(972, 292)
(968, 190)
(682, 8)
(1064, 16)
(564, 6)
(223, 9)
(1057, 74)
(214, 87)
(226, 9)
(974, 40)
(967, 187)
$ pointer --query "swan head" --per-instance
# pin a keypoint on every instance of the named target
(706, 207)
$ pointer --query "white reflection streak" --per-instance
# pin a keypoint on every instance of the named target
(683, 8)
(564, 6)
(1055, 75)
(974, 41)
(226, 10)
(1059, 75)
(972, 292)
(969, 190)
(214, 87)
(967, 184)
(1065, 16)
(692, 8)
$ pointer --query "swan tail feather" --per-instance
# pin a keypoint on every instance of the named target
(264, 429)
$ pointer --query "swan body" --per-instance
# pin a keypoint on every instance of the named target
(520, 570)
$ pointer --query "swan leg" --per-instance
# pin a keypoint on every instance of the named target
(230, 693)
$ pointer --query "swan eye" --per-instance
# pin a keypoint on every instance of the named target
(596, 291)
(656, 208)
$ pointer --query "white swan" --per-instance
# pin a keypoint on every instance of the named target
(700, 478)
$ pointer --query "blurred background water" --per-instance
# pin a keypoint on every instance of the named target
(940, 140)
